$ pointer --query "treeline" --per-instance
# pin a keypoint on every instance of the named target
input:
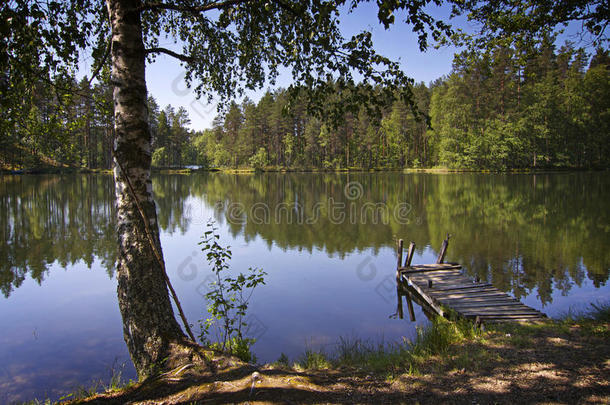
(506, 111)
(495, 111)
(69, 122)
(268, 134)
(61, 122)
(500, 110)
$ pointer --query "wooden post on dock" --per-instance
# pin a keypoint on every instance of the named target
(410, 253)
(410, 307)
(401, 312)
(443, 251)
(399, 252)
(399, 262)
(398, 285)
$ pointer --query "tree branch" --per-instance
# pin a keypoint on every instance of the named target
(171, 53)
(288, 8)
(192, 9)
(102, 63)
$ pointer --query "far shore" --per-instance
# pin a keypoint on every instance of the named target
(279, 169)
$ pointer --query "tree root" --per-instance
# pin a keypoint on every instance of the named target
(186, 357)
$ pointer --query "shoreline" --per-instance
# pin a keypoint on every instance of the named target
(248, 170)
(558, 361)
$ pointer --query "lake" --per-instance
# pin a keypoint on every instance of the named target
(327, 242)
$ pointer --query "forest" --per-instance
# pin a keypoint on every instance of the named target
(499, 110)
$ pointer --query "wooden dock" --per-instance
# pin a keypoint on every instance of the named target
(443, 289)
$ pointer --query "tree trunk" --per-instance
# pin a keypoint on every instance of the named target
(149, 325)
(502, 95)
(89, 142)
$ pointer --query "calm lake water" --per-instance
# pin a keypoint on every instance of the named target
(325, 240)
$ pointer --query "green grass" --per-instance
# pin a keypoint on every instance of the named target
(440, 336)
(282, 361)
(313, 360)
(599, 311)
(392, 358)
(590, 321)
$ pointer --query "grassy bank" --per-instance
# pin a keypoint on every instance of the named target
(393, 359)
(559, 361)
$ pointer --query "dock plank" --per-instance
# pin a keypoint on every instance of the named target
(474, 291)
(484, 304)
(471, 296)
(448, 271)
(496, 311)
(470, 286)
(478, 300)
(443, 280)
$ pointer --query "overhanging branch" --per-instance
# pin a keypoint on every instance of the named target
(192, 9)
(102, 62)
(171, 53)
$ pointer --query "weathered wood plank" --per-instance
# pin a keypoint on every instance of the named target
(458, 307)
(512, 320)
(437, 265)
(409, 275)
(483, 304)
(410, 307)
(442, 283)
(436, 273)
(410, 254)
(467, 301)
(470, 297)
(414, 276)
(469, 291)
(399, 252)
(468, 306)
(463, 287)
(446, 287)
(443, 251)
(399, 304)
(489, 295)
(460, 294)
(495, 311)
(414, 270)
(415, 297)
(440, 266)
(505, 315)
(449, 278)
(438, 285)
(427, 299)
